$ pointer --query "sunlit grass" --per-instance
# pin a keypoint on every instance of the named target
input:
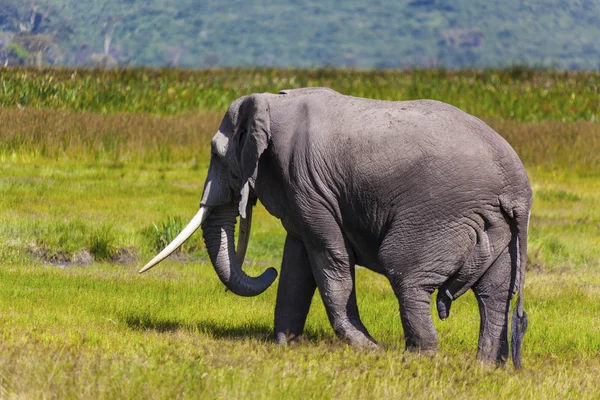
(59, 208)
(63, 207)
(26, 135)
(104, 331)
(116, 185)
(520, 94)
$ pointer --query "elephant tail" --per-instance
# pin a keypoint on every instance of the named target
(519, 212)
(519, 318)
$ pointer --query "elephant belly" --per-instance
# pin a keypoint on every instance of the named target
(373, 266)
(366, 257)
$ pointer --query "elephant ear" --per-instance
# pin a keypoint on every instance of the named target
(255, 136)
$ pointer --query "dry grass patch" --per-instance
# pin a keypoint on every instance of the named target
(56, 135)
(572, 146)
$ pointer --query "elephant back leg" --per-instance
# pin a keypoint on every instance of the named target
(451, 259)
(413, 283)
(491, 234)
(494, 292)
(294, 293)
(415, 313)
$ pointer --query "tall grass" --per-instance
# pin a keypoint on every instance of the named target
(126, 137)
(103, 243)
(519, 94)
(160, 235)
(63, 135)
(554, 145)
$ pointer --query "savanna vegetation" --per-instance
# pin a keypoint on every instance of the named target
(100, 169)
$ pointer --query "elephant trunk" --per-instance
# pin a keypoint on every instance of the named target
(218, 231)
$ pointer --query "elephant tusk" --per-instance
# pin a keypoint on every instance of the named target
(244, 235)
(185, 234)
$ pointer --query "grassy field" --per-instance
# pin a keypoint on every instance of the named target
(89, 191)
(520, 93)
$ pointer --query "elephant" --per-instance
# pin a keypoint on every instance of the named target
(419, 191)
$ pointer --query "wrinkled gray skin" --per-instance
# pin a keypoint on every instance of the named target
(419, 191)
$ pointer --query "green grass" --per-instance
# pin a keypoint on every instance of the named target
(117, 186)
(565, 222)
(103, 331)
(519, 94)
(106, 332)
(66, 206)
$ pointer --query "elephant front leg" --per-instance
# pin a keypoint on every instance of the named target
(295, 292)
(334, 272)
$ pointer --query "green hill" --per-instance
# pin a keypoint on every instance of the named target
(302, 33)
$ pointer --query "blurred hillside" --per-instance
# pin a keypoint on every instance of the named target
(303, 33)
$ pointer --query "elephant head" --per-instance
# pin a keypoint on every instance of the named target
(244, 134)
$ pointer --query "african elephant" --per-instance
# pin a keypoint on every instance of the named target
(419, 191)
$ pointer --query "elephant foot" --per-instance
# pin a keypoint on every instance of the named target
(355, 333)
(493, 353)
(285, 338)
(430, 349)
(363, 342)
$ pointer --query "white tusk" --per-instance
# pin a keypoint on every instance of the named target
(185, 234)
(244, 235)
